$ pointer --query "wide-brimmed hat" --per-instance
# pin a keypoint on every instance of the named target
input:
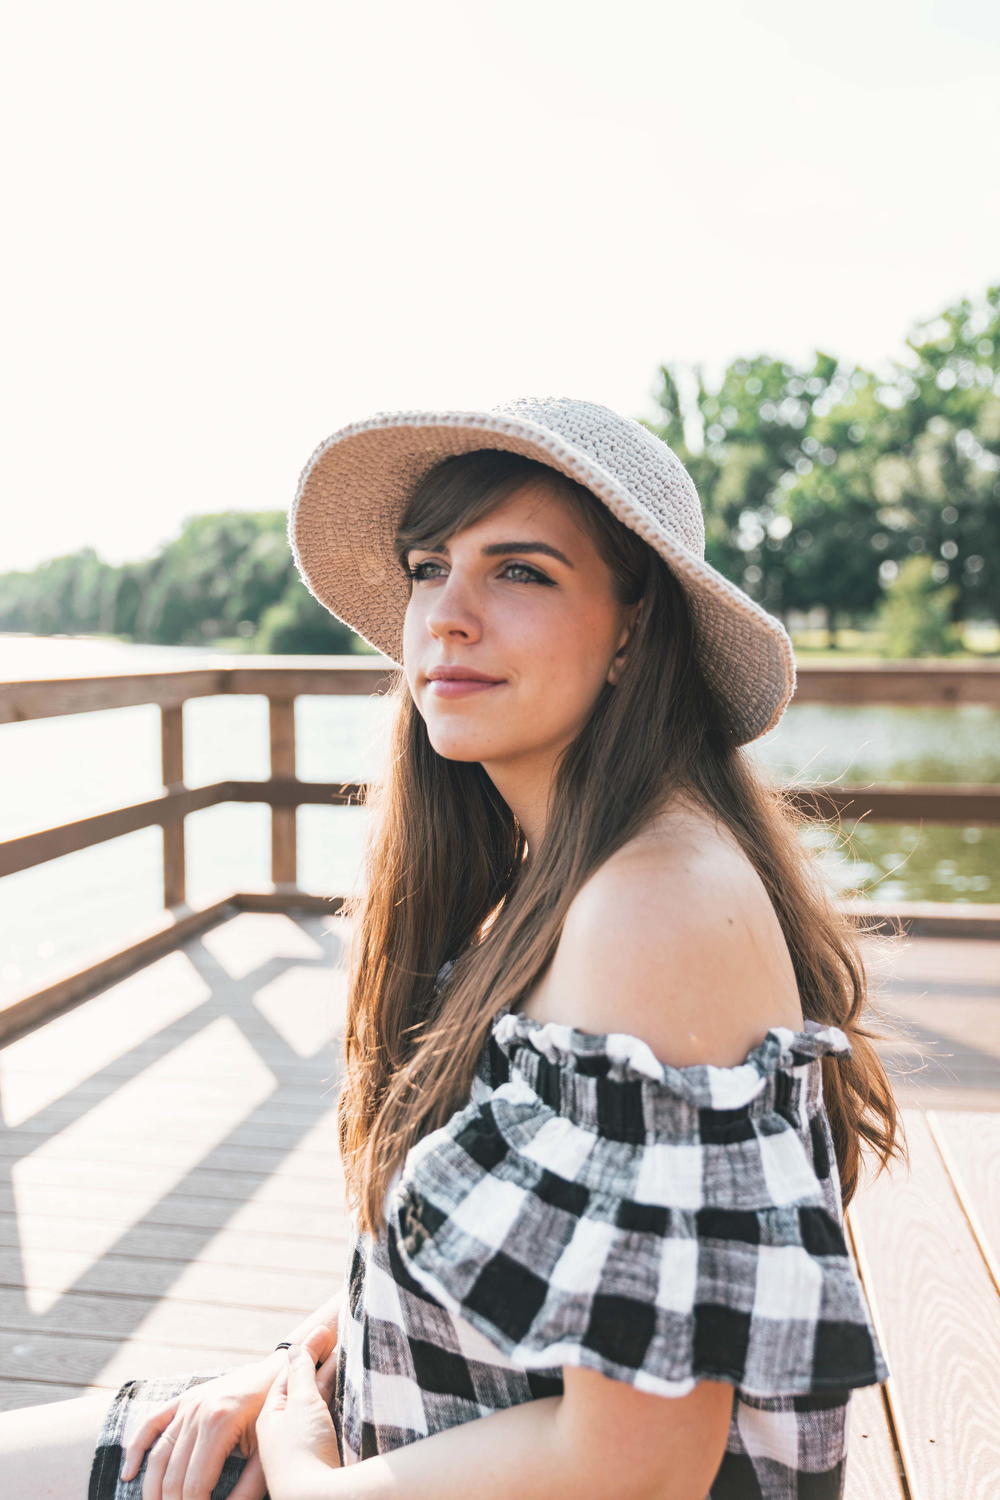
(353, 491)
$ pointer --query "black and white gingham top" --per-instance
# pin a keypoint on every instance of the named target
(594, 1206)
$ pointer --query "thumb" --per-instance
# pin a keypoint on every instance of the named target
(321, 1343)
(301, 1374)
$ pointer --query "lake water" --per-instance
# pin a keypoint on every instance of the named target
(55, 770)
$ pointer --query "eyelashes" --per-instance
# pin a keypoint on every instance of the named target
(533, 574)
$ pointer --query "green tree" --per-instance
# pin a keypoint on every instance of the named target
(788, 510)
(222, 569)
(298, 623)
(914, 615)
(940, 480)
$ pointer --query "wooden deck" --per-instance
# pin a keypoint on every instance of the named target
(172, 1199)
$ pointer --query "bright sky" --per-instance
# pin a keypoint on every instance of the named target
(230, 228)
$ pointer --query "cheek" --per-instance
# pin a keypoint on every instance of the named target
(566, 676)
(573, 651)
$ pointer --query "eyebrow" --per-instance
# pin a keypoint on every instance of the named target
(500, 549)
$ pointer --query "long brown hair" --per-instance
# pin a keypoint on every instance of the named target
(446, 876)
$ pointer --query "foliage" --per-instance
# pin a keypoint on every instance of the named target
(914, 614)
(228, 574)
(296, 623)
(817, 484)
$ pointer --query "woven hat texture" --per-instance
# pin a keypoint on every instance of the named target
(354, 488)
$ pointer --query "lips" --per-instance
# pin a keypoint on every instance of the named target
(462, 676)
(460, 687)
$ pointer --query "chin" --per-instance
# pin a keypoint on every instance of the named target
(459, 747)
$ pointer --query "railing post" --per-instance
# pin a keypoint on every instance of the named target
(172, 751)
(284, 852)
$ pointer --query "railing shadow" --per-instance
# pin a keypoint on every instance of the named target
(302, 1096)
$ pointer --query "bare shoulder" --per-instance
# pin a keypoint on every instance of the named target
(674, 940)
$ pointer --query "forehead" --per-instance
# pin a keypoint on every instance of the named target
(545, 506)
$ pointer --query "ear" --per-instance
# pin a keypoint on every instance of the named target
(618, 660)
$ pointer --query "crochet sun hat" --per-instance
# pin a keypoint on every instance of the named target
(352, 493)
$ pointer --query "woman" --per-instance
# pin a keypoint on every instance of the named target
(605, 1070)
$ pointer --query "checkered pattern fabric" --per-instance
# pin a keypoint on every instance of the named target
(592, 1205)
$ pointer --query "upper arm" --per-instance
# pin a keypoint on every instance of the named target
(678, 953)
(684, 951)
(669, 1447)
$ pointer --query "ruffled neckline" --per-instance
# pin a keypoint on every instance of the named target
(622, 1057)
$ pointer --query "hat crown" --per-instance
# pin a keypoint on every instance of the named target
(629, 453)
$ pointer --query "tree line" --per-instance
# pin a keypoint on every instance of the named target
(832, 487)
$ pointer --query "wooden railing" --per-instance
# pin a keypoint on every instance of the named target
(282, 679)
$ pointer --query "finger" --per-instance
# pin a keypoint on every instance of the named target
(175, 1475)
(144, 1437)
(326, 1378)
(321, 1342)
(251, 1484)
(301, 1375)
(205, 1463)
(156, 1463)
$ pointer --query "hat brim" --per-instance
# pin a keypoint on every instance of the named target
(354, 488)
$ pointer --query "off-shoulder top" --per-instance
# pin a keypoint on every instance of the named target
(592, 1205)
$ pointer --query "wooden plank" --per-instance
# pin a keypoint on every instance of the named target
(63, 1208)
(946, 920)
(256, 1133)
(47, 697)
(945, 966)
(80, 1360)
(969, 1143)
(309, 1074)
(872, 1461)
(282, 676)
(279, 1190)
(263, 1286)
(284, 847)
(252, 1330)
(16, 1394)
(209, 1103)
(925, 682)
(31, 849)
(306, 1169)
(938, 1318)
(227, 1246)
(949, 803)
(287, 791)
(307, 1081)
(172, 757)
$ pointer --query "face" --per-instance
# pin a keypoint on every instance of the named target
(548, 627)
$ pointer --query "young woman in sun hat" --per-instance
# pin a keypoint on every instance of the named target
(605, 1069)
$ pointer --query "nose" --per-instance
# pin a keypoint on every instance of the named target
(452, 610)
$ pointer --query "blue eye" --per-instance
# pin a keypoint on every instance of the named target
(533, 576)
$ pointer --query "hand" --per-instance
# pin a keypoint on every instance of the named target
(295, 1432)
(192, 1434)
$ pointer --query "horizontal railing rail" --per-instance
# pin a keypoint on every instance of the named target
(924, 684)
(961, 805)
(281, 680)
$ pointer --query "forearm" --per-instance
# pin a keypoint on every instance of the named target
(530, 1451)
